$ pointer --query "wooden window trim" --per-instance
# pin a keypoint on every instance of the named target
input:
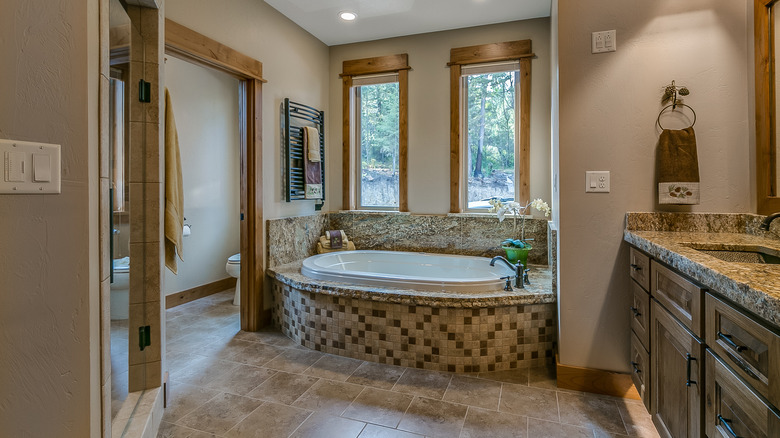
(485, 53)
(768, 200)
(367, 66)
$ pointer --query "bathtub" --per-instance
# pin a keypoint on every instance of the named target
(408, 270)
(120, 289)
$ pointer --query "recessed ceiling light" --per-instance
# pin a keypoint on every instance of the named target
(347, 15)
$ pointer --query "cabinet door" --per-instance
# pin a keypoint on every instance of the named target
(680, 296)
(734, 409)
(640, 268)
(676, 370)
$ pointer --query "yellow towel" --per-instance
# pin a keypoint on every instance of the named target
(174, 190)
(348, 247)
(312, 138)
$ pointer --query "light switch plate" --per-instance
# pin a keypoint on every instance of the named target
(29, 167)
(604, 41)
(597, 181)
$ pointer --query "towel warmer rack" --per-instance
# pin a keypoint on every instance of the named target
(293, 118)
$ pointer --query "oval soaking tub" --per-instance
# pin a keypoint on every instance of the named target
(408, 270)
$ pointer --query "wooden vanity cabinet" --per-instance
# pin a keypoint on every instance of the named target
(639, 264)
(640, 314)
(676, 357)
(640, 325)
(733, 408)
(679, 296)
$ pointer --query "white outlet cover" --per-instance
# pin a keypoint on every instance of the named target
(597, 181)
(603, 41)
(26, 169)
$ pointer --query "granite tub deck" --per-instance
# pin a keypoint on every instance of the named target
(755, 287)
(455, 332)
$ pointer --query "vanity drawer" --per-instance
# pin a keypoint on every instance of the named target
(679, 296)
(639, 264)
(640, 314)
(640, 365)
(732, 408)
(751, 349)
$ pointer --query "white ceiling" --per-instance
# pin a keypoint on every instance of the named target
(391, 18)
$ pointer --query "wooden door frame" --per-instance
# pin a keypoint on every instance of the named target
(193, 47)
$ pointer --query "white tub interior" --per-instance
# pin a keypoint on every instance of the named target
(408, 270)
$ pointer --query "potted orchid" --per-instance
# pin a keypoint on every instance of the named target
(517, 249)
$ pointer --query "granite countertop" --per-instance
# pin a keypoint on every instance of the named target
(538, 292)
(755, 287)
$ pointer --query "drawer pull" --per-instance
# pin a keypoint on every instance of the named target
(635, 267)
(636, 367)
(727, 339)
(743, 366)
(688, 360)
(727, 425)
(636, 311)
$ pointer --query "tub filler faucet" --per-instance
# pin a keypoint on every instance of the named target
(521, 273)
(768, 220)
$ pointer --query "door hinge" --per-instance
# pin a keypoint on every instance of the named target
(144, 337)
(144, 91)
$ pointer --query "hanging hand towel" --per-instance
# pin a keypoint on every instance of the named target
(313, 153)
(173, 221)
(678, 167)
(312, 169)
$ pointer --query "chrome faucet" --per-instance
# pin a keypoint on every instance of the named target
(768, 220)
(521, 273)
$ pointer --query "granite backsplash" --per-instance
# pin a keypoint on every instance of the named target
(295, 238)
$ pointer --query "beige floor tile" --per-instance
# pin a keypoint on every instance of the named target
(374, 431)
(220, 414)
(241, 380)
(271, 420)
(321, 425)
(266, 336)
(530, 402)
(170, 430)
(473, 392)
(517, 376)
(283, 387)
(293, 360)
(246, 352)
(425, 383)
(328, 396)
(333, 367)
(376, 375)
(433, 418)
(203, 372)
(589, 411)
(378, 406)
(542, 377)
(637, 420)
(546, 429)
(481, 423)
(185, 399)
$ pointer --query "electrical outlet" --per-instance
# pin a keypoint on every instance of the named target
(604, 41)
(597, 181)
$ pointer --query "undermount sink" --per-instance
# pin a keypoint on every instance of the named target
(738, 253)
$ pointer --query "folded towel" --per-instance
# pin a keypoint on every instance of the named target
(312, 135)
(312, 169)
(678, 167)
(320, 249)
(173, 221)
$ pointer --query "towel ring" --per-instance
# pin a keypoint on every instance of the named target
(658, 120)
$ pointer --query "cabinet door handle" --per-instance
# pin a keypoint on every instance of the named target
(636, 367)
(635, 310)
(727, 425)
(727, 339)
(688, 360)
(742, 365)
(635, 267)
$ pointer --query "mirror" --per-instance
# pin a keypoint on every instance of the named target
(767, 83)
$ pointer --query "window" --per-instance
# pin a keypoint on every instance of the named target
(490, 120)
(375, 133)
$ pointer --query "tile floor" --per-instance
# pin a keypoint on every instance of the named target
(229, 383)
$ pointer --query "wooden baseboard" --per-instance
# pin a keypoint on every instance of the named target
(193, 294)
(595, 381)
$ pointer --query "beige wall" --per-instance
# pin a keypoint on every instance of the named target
(205, 104)
(49, 360)
(294, 64)
(608, 107)
(429, 114)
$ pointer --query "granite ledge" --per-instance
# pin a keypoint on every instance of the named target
(754, 287)
(539, 292)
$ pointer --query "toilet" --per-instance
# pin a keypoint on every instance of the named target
(233, 268)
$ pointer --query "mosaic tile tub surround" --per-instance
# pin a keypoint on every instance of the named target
(295, 238)
(455, 339)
